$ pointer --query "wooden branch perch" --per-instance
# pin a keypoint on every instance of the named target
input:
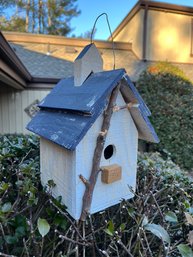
(128, 106)
(84, 180)
(87, 198)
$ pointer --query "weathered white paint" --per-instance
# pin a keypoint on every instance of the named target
(13, 118)
(64, 167)
(124, 136)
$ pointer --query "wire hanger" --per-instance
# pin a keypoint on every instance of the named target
(93, 29)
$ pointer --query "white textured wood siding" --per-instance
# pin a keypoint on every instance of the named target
(124, 136)
(13, 118)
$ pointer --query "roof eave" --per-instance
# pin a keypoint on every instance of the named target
(9, 81)
(180, 9)
(9, 59)
(127, 18)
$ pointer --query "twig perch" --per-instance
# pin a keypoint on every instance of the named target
(87, 198)
(84, 180)
(127, 106)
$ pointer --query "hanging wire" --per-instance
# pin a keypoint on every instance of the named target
(93, 29)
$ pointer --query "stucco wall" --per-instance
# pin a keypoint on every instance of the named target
(168, 37)
(133, 32)
(13, 118)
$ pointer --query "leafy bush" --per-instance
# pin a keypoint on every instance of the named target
(169, 95)
(158, 221)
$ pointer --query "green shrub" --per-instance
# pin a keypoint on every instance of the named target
(169, 95)
(158, 221)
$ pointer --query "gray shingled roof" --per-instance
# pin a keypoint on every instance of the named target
(42, 65)
(46, 66)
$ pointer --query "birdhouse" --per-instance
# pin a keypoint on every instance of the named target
(89, 126)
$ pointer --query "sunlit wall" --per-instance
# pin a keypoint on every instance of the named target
(169, 37)
(133, 32)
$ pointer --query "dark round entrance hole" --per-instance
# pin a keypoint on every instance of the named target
(108, 152)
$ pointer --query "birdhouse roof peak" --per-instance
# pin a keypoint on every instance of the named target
(85, 50)
(68, 112)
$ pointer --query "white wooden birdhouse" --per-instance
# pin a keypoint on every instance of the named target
(89, 126)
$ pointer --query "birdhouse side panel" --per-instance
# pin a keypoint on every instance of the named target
(120, 149)
(58, 164)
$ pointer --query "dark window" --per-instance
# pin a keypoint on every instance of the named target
(108, 152)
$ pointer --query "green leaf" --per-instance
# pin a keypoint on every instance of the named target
(107, 231)
(61, 222)
(131, 212)
(43, 227)
(11, 239)
(158, 231)
(20, 231)
(4, 186)
(122, 227)
(187, 205)
(171, 217)
(6, 207)
(110, 228)
(185, 250)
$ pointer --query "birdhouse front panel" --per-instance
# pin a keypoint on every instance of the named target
(120, 149)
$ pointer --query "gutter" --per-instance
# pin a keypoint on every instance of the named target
(15, 74)
(9, 57)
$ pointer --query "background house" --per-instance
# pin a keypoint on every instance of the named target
(158, 31)
(30, 64)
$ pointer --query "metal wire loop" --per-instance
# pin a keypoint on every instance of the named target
(93, 29)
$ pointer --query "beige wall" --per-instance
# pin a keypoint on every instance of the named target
(169, 37)
(133, 32)
(13, 118)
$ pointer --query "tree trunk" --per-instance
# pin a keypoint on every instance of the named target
(39, 15)
(27, 16)
(49, 14)
(33, 16)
